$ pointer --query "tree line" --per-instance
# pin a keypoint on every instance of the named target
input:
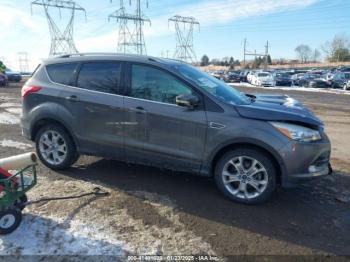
(336, 50)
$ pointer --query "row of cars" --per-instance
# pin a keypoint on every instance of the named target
(332, 78)
(9, 76)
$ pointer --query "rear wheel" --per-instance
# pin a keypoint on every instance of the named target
(55, 147)
(246, 176)
(9, 220)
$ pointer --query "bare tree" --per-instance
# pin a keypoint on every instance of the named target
(316, 55)
(303, 52)
(337, 49)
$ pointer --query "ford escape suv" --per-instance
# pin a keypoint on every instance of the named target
(168, 114)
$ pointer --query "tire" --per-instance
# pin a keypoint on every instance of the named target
(63, 150)
(345, 87)
(264, 180)
(21, 202)
(10, 219)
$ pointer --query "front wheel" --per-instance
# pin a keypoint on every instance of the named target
(55, 147)
(246, 176)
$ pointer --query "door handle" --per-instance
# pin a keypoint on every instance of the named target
(72, 98)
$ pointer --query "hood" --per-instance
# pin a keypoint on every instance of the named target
(278, 108)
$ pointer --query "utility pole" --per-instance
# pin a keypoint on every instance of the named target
(255, 54)
(266, 53)
(245, 50)
(23, 62)
(131, 38)
(184, 27)
(61, 39)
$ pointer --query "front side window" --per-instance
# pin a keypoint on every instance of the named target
(156, 85)
(62, 73)
(100, 76)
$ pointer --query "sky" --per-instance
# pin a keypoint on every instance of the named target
(224, 24)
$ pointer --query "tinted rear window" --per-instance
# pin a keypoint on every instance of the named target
(62, 73)
(100, 76)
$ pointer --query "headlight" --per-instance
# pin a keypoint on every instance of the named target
(296, 132)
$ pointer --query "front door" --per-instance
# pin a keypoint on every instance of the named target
(157, 131)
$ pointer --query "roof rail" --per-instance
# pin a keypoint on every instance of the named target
(95, 54)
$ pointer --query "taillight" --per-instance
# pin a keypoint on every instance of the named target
(26, 90)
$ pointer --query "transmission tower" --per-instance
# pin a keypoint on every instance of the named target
(131, 38)
(184, 27)
(61, 38)
(23, 61)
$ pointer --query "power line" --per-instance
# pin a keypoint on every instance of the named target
(184, 27)
(131, 38)
(61, 40)
(23, 61)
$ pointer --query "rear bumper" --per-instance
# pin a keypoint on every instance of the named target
(25, 129)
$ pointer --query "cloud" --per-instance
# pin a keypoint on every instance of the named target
(12, 17)
(208, 13)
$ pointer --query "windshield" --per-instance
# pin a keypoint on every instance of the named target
(212, 85)
(347, 75)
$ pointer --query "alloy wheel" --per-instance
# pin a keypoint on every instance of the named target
(245, 177)
(53, 147)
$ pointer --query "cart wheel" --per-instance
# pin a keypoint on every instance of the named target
(9, 220)
(21, 202)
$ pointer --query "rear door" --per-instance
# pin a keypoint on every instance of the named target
(157, 131)
(97, 107)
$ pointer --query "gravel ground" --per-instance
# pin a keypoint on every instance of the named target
(152, 211)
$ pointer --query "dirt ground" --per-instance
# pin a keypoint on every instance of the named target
(152, 211)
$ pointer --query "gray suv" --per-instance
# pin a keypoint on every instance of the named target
(168, 114)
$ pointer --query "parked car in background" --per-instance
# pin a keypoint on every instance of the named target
(340, 79)
(13, 76)
(243, 76)
(250, 76)
(304, 80)
(3, 79)
(219, 74)
(263, 79)
(183, 119)
(282, 79)
(232, 77)
(319, 83)
(296, 78)
(347, 85)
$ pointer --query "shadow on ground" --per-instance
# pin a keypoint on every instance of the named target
(309, 216)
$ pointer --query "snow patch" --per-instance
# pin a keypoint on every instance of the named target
(14, 110)
(48, 235)
(14, 144)
(7, 104)
(8, 119)
(295, 88)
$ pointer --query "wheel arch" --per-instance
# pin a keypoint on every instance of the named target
(39, 123)
(256, 145)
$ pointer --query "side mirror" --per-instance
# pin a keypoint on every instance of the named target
(187, 100)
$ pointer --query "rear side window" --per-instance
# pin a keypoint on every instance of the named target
(100, 76)
(62, 73)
